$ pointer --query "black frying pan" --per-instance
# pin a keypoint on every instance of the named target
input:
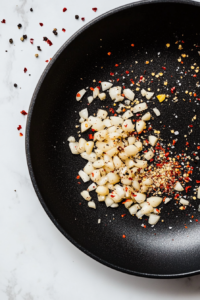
(152, 252)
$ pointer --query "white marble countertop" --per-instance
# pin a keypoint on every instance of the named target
(36, 261)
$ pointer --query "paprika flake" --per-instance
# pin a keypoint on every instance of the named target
(173, 89)
(19, 127)
(25, 70)
(63, 29)
(49, 42)
(31, 41)
(21, 134)
(41, 24)
(94, 9)
(111, 74)
(64, 9)
(23, 112)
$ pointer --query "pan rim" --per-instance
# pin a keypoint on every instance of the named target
(28, 151)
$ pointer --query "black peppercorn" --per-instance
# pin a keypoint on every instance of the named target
(25, 36)
(11, 41)
(45, 38)
(39, 49)
(19, 26)
(55, 31)
(15, 85)
(76, 17)
(31, 9)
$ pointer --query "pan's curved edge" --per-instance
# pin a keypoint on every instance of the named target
(27, 136)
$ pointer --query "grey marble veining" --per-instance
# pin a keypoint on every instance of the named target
(37, 262)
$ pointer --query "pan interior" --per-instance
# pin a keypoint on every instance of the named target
(157, 251)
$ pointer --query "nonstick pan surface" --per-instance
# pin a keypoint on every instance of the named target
(158, 252)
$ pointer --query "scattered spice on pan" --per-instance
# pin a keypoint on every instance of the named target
(39, 49)
(25, 70)
(20, 134)
(31, 9)
(94, 9)
(19, 25)
(31, 41)
(41, 24)
(63, 29)
(55, 32)
(15, 85)
(64, 9)
(76, 17)
(11, 41)
(83, 19)
(3, 21)
(36, 55)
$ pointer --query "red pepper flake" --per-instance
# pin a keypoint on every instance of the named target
(112, 74)
(186, 227)
(111, 110)
(21, 134)
(132, 45)
(195, 75)
(19, 127)
(127, 72)
(123, 215)
(123, 236)
(196, 220)
(145, 226)
(91, 137)
(79, 182)
(46, 60)
(190, 126)
(64, 9)
(83, 19)
(198, 99)
(109, 53)
(3, 21)
(63, 29)
(187, 144)
(195, 94)
(49, 42)
(23, 112)
(173, 89)
(151, 159)
(128, 200)
(116, 65)
(78, 177)
(91, 88)
(94, 9)
(25, 70)
(117, 79)
(197, 181)
(164, 68)
(174, 142)
(31, 41)
(78, 95)
(187, 188)
(182, 42)
(41, 24)
(133, 82)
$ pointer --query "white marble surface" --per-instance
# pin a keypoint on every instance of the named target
(36, 261)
